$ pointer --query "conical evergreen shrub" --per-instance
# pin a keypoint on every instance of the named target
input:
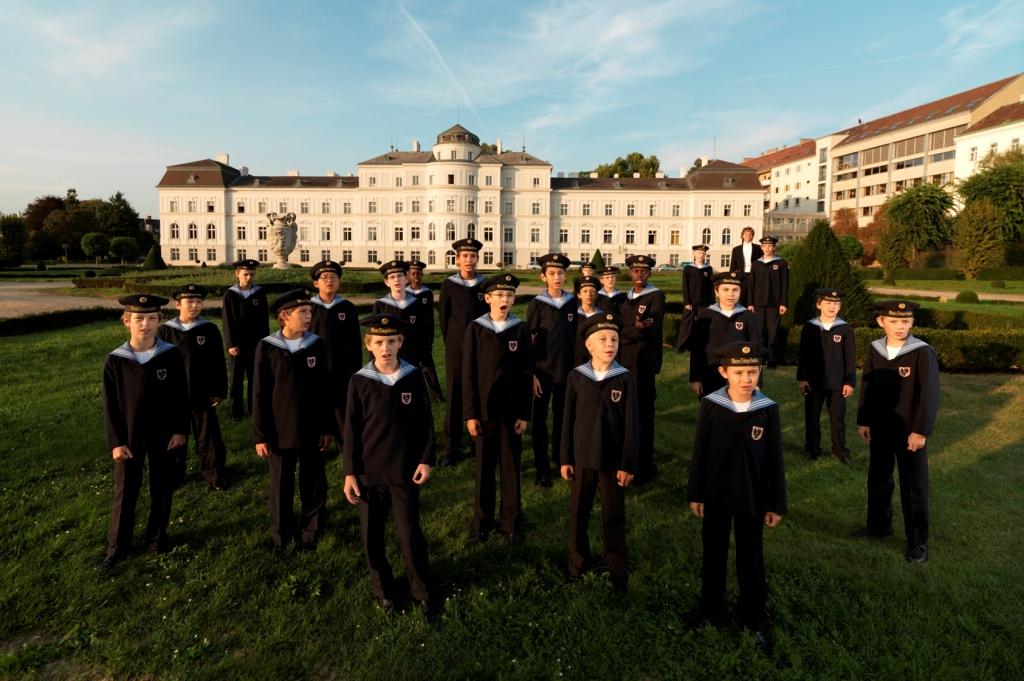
(822, 263)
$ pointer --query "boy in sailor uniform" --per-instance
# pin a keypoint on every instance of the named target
(826, 373)
(426, 312)
(387, 453)
(497, 387)
(599, 446)
(244, 317)
(146, 415)
(697, 293)
(640, 351)
(550, 317)
(587, 295)
(291, 420)
(608, 297)
(723, 322)
(461, 301)
(899, 401)
(768, 296)
(737, 480)
(402, 304)
(335, 320)
(203, 353)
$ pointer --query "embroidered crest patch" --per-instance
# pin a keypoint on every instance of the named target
(200, 340)
(569, 316)
(756, 432)
(642, 308)
(412, 319)
(513, 345)
(904, 372)
(775, 267)
(480, 296)
(837, 338)
(406, 398)
(161, 374)
(423, 300)
(311, 362)
(341, 316)
(739, 326)
(616, 395)
(256, 301)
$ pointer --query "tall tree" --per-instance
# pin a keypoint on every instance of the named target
(125, 248)
(634, 162)
(36, 212)
(13, 237)
(697, 164)
(922, 214)
(95, 245)
(844, 221)
(820, 263)
(68, 226)
(1000, 180)
(977, 237)
(891, 251)
(118, 218)
(851, 246)
(488, 148)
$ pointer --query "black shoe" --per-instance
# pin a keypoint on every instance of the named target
(698, 618)
(620, 584)
(217, 485)
(386, 605)
(479, 536)
(865, 533)
(450, 460)
(542, 480)
(108, 563)
(842, 457)
(514, 538)
(813, 456)
(763, 642)
(161, 545)
(917, 553)
(276, 550)
(307, 547)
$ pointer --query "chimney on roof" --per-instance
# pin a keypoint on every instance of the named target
(244, 170)
(703, 161)
(223, 158)
(659, 175)
(593, 176)
(293, 173)
(497, 145)
(636, 175)
(415, 145)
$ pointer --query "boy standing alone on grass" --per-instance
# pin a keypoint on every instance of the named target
(203, 352)
(244, 317)
(146, 414)
(388, 451)
(737, 480)
(899, 402)
(599, 447)
(826, 373)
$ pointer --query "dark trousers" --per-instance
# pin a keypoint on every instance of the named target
(769, 321)
(404, 501)
(552, 397)
(210, 449)
(744, 289)
(241, 371)
(498, 447)
(749, 564)
(453, 408)
(163, 479)
(430, 375)
(685, 329)
(613, 513)
(836, 403)
(646, 395)
(312, 493)
(913, 471)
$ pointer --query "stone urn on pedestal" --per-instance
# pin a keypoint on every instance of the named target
(281, 238)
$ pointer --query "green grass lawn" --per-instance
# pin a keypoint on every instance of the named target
(219, 606)
(957, 285)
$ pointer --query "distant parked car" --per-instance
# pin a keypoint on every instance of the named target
(533, 266)
(665, 267)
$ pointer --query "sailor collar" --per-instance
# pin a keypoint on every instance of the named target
(633, 295)
(735, 311)
(912, 343)
(614, 370)
(693, 264)
(277, 339)
(400, 304)
(485, 321)
(757, 401)
(817, 322)
(556, 303)
(252, 289)
(765, 258)
(471, 283)
(614, 293)
(417, 291)
(370, 371)
(317, 300)
(176, 324)
(125, 351)
(587, 315)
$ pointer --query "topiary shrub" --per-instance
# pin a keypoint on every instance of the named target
(89, 274)
(820, 262)
(998, 283)
(967, 297)
(41, 266)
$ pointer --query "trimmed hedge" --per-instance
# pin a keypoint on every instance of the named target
(145, 285)
(1003, 273)
(51, 321)
(926, 274)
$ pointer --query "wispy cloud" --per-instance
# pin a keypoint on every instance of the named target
(971, 34)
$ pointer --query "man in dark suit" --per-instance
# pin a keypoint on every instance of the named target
(743, 257)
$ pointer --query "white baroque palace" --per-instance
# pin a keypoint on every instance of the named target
(414, 204)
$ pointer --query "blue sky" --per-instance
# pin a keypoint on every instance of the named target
(102, 96)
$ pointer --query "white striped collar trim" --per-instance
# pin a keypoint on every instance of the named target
(693, 264)
(125, 351)
(556, 303)
(765, 258)
(401, 305)
(614, 293)
(176, 324)
(757, 401)
(588, 371)
(317, 300)
(472, 283)
(277, 339)
(587, 315)
(485, 321)
(417, 291)
(632, 295)
(735, 311)
(253, 289)
(370, 371)
(910, 345)
(817, 322)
